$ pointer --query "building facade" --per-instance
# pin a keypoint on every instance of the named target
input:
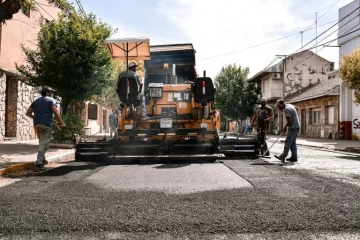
(291, 75)
(349, 109)
(318, 108)
(15, 97)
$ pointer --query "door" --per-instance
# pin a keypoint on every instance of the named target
(303, 121)
(11, 99)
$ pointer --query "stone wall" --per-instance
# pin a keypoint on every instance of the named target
(15, 99)
(2, 105)
(26, 95)
(315, 130)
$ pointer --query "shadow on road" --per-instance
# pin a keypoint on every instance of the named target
(165, 166)
(355, 158)
(63, 170)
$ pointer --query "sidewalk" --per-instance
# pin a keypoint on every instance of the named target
(329, 144)
(16, 156)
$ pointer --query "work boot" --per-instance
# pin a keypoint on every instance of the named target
(38, 167)
(267, 153)
(292, 159)
(280, 157)
(45, 162)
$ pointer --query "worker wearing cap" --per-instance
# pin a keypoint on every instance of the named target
(293, 126)
(263, 115)
(132, 73)
(42, 110)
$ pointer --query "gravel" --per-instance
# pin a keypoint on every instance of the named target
(282, 200)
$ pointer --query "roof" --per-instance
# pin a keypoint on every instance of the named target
(330, 87)
(278, 67)
(128, 48)
(171, 47)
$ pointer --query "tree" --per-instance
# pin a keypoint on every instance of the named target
(350, 71)
(10, 7)
(70, 57)
(235, 96)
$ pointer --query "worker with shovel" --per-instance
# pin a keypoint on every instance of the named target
(292, 124)
(263, 115)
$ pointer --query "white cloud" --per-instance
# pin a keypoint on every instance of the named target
(218, 27)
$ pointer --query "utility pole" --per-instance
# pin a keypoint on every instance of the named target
(302, 43)
(316, 29)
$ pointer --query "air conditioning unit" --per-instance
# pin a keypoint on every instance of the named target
(276, 76)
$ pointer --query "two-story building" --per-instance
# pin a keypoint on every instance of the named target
(349, 126)
(294, 73)
(15, 97)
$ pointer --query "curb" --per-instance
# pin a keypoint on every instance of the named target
(325, 148)
(20, 167)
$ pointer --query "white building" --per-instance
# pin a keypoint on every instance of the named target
(349, 114)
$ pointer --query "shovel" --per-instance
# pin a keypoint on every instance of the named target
(263, 156)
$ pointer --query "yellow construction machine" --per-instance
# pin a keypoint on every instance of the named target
(182, 121)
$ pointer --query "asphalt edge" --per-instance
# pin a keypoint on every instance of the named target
(20, 167)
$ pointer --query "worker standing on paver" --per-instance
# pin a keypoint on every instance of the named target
(42, 110)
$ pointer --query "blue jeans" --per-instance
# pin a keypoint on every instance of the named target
(44, 134)
(290, 143)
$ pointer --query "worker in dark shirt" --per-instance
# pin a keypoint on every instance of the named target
(263, 115)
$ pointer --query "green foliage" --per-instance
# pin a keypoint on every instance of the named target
(74, 125)
(10, 7)
(70, 57)
(350, 72)
(235, 96)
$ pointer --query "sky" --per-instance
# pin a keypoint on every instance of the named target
(227, 31)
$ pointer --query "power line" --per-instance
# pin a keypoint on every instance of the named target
(44, 11)
(327, 29)
(308, 28)
(81, 7)
(261, 44)
(331, 41)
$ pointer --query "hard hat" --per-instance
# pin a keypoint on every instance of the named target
(263, 99)
(132, 64)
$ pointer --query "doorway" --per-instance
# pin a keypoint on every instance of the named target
(11, 99)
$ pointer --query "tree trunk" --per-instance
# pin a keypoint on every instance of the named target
(8, 8)
(65, 105)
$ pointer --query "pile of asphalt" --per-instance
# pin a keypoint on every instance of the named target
(282, 200)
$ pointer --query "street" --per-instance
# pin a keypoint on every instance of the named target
(316, 198)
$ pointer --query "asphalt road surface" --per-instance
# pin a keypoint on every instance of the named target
(317, 198)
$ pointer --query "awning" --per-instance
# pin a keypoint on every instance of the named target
(133, 48)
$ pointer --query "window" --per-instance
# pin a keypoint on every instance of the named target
(316, 116)
(329, 113)
(92, 111)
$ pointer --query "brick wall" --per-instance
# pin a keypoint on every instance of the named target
(322, 129)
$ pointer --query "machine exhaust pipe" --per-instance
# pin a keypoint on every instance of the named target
(173, 76)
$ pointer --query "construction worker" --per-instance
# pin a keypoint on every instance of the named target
(263, 115)
(42, 111)
(113, 123)
(132, 73)
(293, 126)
